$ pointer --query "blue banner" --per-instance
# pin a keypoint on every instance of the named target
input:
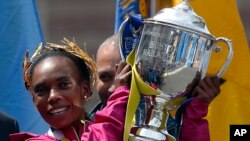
(19, 31)
(126, 7)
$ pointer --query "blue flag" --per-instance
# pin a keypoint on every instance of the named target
(19, 31)
(126, 7)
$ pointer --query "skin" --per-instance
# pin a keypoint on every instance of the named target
(55, 85)
(108, 56)
(207, 89)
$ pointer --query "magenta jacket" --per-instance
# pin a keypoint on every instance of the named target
(194, 126)
(108, 124)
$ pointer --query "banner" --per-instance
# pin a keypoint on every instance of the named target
(125, 7)
(19, 31)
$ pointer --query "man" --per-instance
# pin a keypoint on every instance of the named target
(8, 126)
(108, 55)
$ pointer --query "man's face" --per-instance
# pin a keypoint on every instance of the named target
(106, 60)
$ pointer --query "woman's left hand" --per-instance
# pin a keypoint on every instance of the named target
(207, 89)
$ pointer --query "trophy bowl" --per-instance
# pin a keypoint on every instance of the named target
(174, 47)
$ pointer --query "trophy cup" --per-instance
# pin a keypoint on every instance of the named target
(175, 45)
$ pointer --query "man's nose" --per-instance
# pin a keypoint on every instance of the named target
(112, 88)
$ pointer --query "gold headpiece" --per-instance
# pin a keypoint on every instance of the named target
(70, 47)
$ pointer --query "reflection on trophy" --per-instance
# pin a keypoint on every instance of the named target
(173, 52)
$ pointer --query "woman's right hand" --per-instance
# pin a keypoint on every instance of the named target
(123, 74)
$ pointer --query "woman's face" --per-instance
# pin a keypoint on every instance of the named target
(58, 93)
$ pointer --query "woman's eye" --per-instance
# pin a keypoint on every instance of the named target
(40, 90)
(64, 84)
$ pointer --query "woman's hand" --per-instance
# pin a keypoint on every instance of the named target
(207, 89)
(123, 74)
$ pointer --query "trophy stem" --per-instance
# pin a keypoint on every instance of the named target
(154, 128)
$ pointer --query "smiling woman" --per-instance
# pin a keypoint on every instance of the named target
(59, 79)
(58, 91)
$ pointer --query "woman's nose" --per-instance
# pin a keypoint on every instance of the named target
(53, 96)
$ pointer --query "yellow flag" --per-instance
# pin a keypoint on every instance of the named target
(232, 105)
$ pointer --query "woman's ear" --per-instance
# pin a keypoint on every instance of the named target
(86, 90)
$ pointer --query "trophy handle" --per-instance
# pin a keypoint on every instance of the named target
(120, 36)
(229, 56)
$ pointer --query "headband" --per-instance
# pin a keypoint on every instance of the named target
(70, 47)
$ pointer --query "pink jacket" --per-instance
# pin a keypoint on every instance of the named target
(194, 126)
(108, 124)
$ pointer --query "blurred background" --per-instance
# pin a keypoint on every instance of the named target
(89, 22)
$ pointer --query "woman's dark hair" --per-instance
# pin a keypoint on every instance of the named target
(80, 64)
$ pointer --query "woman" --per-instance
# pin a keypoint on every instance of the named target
(59, 79)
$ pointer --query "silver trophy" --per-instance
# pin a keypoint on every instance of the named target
(174, 49)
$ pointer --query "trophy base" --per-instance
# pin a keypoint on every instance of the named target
(149, 134)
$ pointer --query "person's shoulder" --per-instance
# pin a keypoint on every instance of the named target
(25, 136)
(4, 117)
(121, 91)
(97, 107)
(90, 116)
(9, 124)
